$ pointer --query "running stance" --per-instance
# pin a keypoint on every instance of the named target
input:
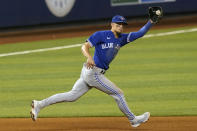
(107, 44)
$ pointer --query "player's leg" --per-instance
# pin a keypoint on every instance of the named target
(79, 89)
(105, 85)
(110, 88)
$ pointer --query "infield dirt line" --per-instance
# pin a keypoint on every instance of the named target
(187, 123)
(77, 45)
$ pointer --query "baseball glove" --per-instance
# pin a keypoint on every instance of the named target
(155, 13)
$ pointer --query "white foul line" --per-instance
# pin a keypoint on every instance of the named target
(77, 45)
(171, 33)
(39, 50)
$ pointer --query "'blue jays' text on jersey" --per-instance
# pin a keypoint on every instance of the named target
(107, 46)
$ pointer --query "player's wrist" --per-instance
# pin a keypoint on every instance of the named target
(151, 21)
(89, 57)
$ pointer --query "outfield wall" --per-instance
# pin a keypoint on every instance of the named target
(35, 12)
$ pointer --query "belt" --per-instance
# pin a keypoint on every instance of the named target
(97, 69)
(100, 70)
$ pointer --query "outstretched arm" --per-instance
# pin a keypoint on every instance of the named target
(144, 29)
(155, 14)
(135, 35)
(85, 50)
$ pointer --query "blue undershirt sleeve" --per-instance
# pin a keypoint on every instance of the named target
(135, 35)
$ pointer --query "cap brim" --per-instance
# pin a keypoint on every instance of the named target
(121, 22)
(125, 23)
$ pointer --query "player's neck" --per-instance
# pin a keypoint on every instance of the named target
(116, 34)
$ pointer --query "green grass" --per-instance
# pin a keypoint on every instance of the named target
(156, 74)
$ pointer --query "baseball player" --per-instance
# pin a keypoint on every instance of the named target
(107, 44)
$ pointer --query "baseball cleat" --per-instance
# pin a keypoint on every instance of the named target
(34, 110)
(140, 119)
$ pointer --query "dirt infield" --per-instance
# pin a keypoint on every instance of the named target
(98, 124)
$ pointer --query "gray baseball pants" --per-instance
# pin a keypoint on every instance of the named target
(91, 78)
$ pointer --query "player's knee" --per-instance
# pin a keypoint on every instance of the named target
(115, 97)
(120, 93)
(118, 96)
(71, 97)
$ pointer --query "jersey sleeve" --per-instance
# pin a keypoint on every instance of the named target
(135, 35)
(95, 39)
(124, 39)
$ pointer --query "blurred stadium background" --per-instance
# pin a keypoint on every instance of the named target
(162, 69)
(55, 17)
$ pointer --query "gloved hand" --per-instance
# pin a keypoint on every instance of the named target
(155, 14)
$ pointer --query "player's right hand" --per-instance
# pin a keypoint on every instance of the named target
(90, 63)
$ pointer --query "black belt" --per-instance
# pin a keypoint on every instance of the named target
(102, 71)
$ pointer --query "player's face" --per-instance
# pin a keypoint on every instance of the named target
(117, 27)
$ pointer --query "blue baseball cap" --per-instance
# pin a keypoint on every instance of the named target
(119, 19)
